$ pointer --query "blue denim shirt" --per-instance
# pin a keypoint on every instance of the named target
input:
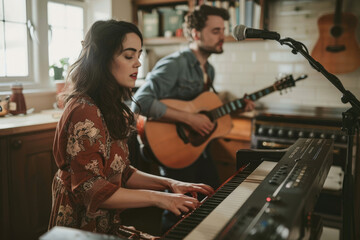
(176, 76)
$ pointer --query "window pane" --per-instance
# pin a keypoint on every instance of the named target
(1, 10)
(57, 47)
(74, 17)
(73, 42)
(15, 10)
(16, 49)
(66, 24)
(56, 14)
(2, 51)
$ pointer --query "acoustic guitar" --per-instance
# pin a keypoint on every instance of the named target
(176, 145)
(337, 48)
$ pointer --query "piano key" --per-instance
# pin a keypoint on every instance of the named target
(217, 219)
(186, 225)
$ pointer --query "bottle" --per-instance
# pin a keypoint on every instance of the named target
(17, 101)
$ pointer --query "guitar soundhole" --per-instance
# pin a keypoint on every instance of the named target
(336, 31)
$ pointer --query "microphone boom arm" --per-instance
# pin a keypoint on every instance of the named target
(350, 122)
(299, 47)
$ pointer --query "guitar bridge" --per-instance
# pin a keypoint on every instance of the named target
(336, 49)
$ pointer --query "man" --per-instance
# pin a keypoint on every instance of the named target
(184, 75)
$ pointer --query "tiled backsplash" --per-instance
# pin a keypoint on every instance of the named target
(248, 66)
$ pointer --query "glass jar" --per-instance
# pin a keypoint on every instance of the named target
(17, 101)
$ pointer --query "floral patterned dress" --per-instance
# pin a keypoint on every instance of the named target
(92, 166)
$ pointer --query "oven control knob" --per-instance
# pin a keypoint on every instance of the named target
(323, 135)
(290, 133)
(301, 134)
(333, 136)
(281, 133)
(312, 134)
(260, 131)
(343, 138)
(270, 132)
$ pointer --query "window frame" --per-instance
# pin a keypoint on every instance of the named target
(38, 53)
(24, 79)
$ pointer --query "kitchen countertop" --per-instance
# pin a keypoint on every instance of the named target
(48, 119)
(44, 120)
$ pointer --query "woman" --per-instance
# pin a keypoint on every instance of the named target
(95, 181)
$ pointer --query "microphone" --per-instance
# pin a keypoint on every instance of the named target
(241, 32)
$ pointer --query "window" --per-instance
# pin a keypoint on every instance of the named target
(66, 30)
(14, 52)
(35, 34)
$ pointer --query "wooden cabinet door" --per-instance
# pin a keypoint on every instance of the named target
(223, 150)
(31, 170)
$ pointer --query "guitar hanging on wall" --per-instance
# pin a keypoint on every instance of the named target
(337, 48)
(176, 145)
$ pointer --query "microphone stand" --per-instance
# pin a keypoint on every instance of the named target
(350, 122)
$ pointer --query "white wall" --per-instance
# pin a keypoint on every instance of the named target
(97, 10)
(248, 66)
(122, 10)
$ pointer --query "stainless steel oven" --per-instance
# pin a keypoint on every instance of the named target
(278, 135)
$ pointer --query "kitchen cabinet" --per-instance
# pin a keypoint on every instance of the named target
(27, 168)
(223, 150)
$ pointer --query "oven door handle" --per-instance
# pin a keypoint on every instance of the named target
(275, 145)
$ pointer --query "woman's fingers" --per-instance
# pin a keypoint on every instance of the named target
(187, 206)
(203, 188)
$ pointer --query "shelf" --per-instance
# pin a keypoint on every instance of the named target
(164, 40)
(176, 40)
(146, 4)
(157, 2)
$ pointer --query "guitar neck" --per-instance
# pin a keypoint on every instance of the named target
(337, 15)
(239, 104)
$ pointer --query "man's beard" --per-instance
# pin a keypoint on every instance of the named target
(210, 50)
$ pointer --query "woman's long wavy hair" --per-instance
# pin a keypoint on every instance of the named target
(90, 75)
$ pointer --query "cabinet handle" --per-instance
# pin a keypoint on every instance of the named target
(16, 144)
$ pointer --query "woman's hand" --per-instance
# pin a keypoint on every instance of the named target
(179, 203)
(192, 188)
(175, 202)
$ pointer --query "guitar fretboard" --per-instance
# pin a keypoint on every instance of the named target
(239, 103)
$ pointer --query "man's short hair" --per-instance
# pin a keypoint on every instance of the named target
(197, 18)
